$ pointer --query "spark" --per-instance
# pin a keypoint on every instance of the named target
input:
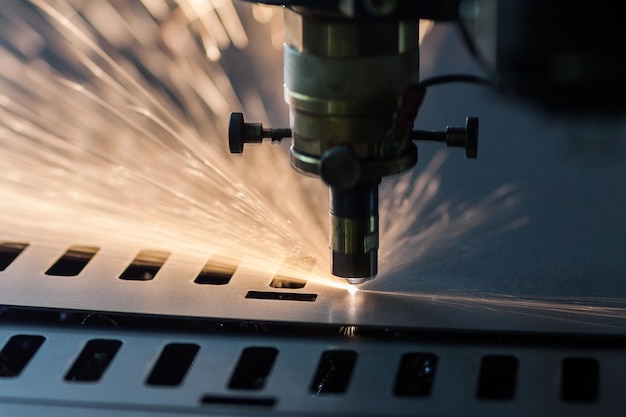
(429, 224)
(94, 148)
(330, 281)
(120, 137)
(580, 306)
(352, 289)
(349, 330)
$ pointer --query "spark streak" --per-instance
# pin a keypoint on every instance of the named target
(119, 135)
(593, 307)
(97, 149)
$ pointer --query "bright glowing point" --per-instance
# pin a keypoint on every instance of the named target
(352, 289)
(332, 282)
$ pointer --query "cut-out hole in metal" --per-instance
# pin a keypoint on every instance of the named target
(242, 401)
(334, 372)
(415, 375)
(255, 364)
(9, 251)
(17, 352)
(286, 296)
(73, 261)
(292, 272)
(217, 271)
(93, 360)
(173, 364)
(498, 377)
(145, 266)
(580, 379)
(281, 281)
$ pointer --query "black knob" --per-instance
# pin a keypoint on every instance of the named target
(236, 128)
(240, 133)
(471, 137)
(457, 137)
(339, 167)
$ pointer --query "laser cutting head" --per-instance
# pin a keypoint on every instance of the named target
(344, 79)
(351, 76)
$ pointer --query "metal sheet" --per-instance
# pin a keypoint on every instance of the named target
(173, 292)
(122, 389)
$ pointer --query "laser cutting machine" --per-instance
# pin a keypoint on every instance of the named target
(351, 84)
(514, 304)
(351, 73)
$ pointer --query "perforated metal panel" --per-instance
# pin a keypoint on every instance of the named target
(112, 281)
(115, 371)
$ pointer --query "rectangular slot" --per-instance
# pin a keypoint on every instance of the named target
(17, 352)
(93, 360)
(282, 281)
(173, 363)
(217, 271)
(334, 372)
(498, 377)
(415, 375)
(9, 251)
(244, 401)
(73, 261)
(253, 368)
(145, 266)
(286, 296)
(292, 272)
(579, 379)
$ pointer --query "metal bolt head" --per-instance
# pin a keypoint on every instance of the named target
(236, 127)
(339, 167)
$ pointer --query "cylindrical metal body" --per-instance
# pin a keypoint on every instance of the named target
(354, 231)
(344, 81)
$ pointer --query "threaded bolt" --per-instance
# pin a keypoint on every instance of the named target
(458, 137)
(240, 133)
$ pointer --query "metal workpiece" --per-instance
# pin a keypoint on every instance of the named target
(354, 232)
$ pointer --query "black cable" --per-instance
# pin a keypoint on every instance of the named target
(455, 78)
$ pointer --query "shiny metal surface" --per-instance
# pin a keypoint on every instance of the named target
(457, 385)
(173, 292)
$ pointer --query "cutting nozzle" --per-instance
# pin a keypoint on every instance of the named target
(354, 231)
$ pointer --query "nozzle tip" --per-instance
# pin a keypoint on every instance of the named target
(357, 281)
(355, 268)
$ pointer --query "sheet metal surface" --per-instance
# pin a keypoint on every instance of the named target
(173, 292)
